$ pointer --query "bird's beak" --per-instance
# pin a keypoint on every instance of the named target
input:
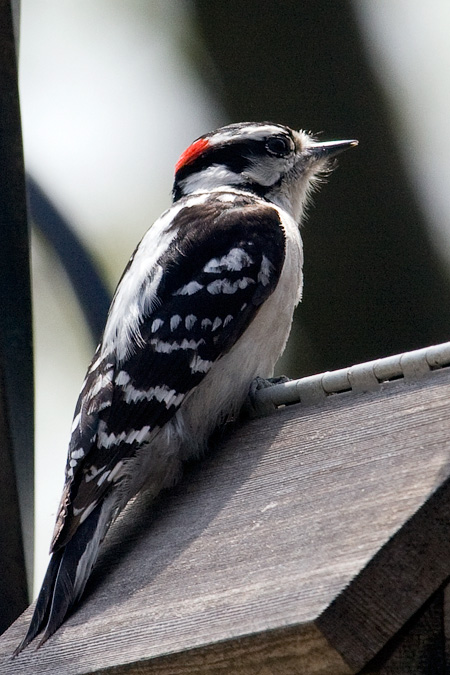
(329, 148)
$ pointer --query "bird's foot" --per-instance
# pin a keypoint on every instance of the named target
(253, 407)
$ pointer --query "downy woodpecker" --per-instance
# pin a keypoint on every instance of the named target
(204, 306)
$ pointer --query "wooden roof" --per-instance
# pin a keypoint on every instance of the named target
(309, 541)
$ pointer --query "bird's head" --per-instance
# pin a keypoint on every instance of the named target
(269, 160)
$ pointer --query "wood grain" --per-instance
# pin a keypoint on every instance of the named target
(399, 579)
(291, 651)
(258, 540)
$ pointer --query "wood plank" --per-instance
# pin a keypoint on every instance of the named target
(261, 536)
(393, 587)
(280, 652)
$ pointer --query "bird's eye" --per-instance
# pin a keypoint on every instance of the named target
(279, 146)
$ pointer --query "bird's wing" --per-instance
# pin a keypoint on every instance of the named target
(216, 273)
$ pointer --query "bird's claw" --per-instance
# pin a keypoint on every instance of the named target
(253, 407)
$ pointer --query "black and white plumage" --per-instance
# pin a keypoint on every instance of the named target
(204, 306)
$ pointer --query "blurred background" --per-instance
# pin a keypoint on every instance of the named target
(111, 94)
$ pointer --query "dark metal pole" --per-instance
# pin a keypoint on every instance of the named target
(16, 358)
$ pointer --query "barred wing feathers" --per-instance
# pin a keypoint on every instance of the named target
(210, 289)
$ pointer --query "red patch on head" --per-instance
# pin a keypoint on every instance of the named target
(191, 153)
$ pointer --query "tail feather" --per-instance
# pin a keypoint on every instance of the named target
(42, 608)
(66, 577)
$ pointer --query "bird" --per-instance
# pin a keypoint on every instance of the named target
(203, 307)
